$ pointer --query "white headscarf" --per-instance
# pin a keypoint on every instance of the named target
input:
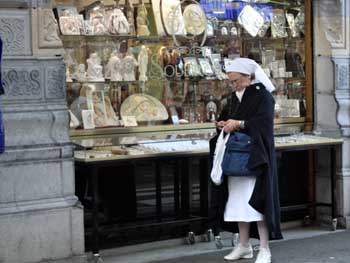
(248, 66)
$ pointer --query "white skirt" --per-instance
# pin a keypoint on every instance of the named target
(237, 207)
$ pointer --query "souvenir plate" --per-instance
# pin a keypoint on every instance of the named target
(144, 108)
(195, 19)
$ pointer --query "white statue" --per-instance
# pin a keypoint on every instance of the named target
(114, 67)
(117, 23)
(142, 22)
(80, 73)
(95, 70)
(70, 62)
(128, 64)
(143, 63)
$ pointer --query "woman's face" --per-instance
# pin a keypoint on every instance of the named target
(238, 81)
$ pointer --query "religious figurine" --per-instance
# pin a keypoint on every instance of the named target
(142, 21)
(114, 67)
(211, 109)
(73, 120)
(70, 62)
(224, 31)
(80, 74)
(130, 17)
(117, 22)
(143, 63)
(129, 63)
(98, 26)
(95, 70)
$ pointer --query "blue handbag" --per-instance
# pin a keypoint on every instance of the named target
(236, 157)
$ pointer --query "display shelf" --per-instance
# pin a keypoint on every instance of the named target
(191, 94)
(91, 38)
(144, 129)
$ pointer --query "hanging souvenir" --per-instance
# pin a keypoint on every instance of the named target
(250, 20)
(278, 24)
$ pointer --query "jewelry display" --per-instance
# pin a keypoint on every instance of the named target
(94, 70)
(143, 63)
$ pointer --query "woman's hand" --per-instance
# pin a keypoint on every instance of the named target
(231, 125)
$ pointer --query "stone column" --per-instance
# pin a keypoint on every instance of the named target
(332, 21)
(40, 216)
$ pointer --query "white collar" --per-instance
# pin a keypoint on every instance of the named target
(239, 94)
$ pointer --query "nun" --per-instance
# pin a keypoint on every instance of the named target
(249, 205)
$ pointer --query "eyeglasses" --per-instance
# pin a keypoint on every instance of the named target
(234, 81)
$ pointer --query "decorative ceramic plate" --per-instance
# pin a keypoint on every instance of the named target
(144, 108)
(195, 19)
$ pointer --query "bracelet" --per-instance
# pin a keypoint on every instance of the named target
(241, 125)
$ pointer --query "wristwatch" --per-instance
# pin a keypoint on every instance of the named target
(241, 125)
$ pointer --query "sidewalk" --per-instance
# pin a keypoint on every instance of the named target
(330, 248)
(300, 245)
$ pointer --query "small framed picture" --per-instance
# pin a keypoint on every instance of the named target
(175, 119)
(88, 119)
(129, 121)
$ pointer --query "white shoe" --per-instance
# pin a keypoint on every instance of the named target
(240, 252)
(264, 255)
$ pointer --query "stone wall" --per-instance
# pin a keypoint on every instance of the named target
(40, 216)
(332, 98)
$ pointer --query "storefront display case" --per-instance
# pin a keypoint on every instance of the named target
(183, 73)
(146, 82)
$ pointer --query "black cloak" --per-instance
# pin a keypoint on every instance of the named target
(257, 110)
